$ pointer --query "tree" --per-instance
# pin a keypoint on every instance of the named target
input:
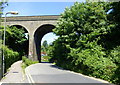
(114, 17)
(115, 13)
(44, 46)
(3, 4)
(16, 40)
(82, 21)
(80, 46)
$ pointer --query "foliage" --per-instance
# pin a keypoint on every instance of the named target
(58, 49)
(114, 15)
(10, 57)
(45, 44)
(16, 40)
(85, 43)
(115, 55)
(44, 47)
(51, 53)
(15, 45)
(28, 62)
(3, 4)
(91, 62)
(45, 58)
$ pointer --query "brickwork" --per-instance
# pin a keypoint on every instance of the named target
(31, 24)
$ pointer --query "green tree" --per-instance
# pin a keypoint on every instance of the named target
(81, 46)
(3, 3)
(44, 46)
(115, 13)
(83, 24)
(16, 40)
(112, 38)
(10, 57)
(16, 45)
(81, 21)
(114, 17)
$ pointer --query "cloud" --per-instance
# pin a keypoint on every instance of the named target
(50, 37)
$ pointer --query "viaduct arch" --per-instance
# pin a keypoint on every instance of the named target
(37, 27)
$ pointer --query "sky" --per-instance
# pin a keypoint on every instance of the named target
(37, 9)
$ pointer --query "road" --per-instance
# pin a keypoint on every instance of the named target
(49, 73)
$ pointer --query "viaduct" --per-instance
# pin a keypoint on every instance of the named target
(37, 27)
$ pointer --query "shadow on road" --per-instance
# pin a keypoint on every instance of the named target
(45, 62)
(53, 66)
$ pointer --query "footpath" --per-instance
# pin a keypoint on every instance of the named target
(15, 74)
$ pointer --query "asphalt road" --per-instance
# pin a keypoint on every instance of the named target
(49, 73)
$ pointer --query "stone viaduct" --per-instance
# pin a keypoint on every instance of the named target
(37, 27)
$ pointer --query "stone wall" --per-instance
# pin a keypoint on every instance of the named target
(31, 24)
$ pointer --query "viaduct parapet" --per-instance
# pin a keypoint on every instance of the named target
(37, 27)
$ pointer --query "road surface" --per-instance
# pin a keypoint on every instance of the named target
(49, 73)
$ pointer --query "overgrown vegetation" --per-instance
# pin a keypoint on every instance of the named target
(3, 4)
(10, 57)
(44, 52)
(88, 41)
(15, 45)
(16, 40)
(45, 58)
(27, 62)
(44, 46)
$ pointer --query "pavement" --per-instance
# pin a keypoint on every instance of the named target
(15, 74)
(45, 73)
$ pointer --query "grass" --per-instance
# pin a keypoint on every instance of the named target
(27, 62)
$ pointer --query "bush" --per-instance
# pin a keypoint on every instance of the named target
(92, 62)
(10, 57)
(45, 58)
(115, 55)
(28, 62)
(84, 44)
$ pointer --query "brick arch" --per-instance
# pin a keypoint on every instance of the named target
(32, 24)
(38, 35)
(10, 25)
